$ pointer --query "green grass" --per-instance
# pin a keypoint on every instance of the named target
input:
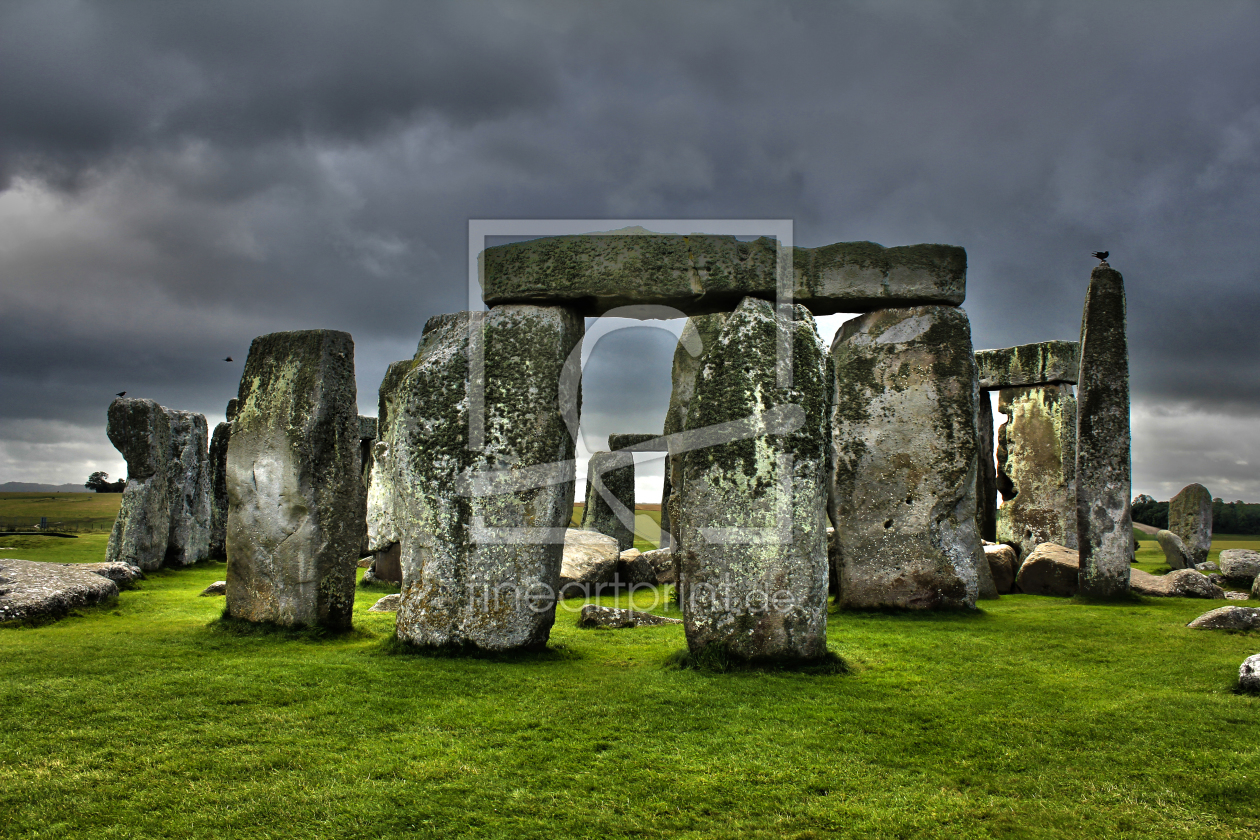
(1034, 717)
(65, 511)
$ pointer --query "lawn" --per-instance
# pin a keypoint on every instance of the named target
(1033, 717)
(76, 512)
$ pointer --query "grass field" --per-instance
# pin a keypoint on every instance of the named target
(1033, 717)
(78, 512)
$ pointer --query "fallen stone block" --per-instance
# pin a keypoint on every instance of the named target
(662, 562)
(1183, 583)
(1002, 565)
(596, 616)
(1050, 570)
(1249, 674)
(1044, 363)
(387, 604)
(1175, 551)
(589, 564)
(31, 591)
(1228, 618)
(219, 587)
(1240, 566)
(124, 575)
(637, 442)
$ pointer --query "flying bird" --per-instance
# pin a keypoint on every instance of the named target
(228, 359)
(1102, 255)
(121, 394)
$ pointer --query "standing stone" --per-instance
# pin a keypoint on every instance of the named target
(382, 528)
(141, 431)
(698, 334)
(1104, 520)
(1190, 517)
(367, 444)
(188, 484)
(296, 506)
(610, 474)
(218, 490)
(483, 528)
(752, 554)
(904, 460)
(649, 443)
(1037, 462)
(986, 472)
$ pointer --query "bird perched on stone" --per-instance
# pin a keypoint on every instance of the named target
(121, 394)
(1102, 255)
(228, 359)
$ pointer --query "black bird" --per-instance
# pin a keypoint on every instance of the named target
(228, 359)
(121, 394)
(1102, 255)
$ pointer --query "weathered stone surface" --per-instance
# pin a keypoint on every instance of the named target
(905, 460)
(596, 616)
(1190, 517)
(188, 485)
(639, 442)
(986, 471)
(219, 587)
(1104, 522)
(230, 411)
(483, 519)
(218, 491)
(1240, 566)
(1209, 566)
(1175, 551)
(1249, 674)
(609, 505)
(1044, 363)
(589, 564)
(1228, 618)
(1255, 589)
(752, 557)
(296, 502)
(124, 575)
(1183, 583)
(387, 604)
(662, 562)
(699, 333)
(1050, 570)
(1229, 593)
(32, 591)
(382, 527)
(1002, 564)
(385, 566)
(703, 274)
(1037, 467)
(635, 570)
(141, 431)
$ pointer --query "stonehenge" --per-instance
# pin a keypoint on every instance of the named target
(1190, 518)
(609, 507)
(296, 501)
(141, 431)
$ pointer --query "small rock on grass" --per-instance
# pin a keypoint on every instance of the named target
(123, 574)
(387, 604)
(1249, 674)
(1228, 618)
(219, 587)
(595, 616)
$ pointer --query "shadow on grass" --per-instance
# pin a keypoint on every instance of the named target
(393, 646)
(717, 659)
(229, 626)
(934, 616)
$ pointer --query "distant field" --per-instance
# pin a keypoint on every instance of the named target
(75, 512)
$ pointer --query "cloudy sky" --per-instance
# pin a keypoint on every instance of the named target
(178, 178)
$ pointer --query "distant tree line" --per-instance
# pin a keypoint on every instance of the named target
(99, 481)
(1227, 517)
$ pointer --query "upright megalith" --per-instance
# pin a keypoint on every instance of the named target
(986, 471)
(295, 491)
(382, 527)
(484, 475)
(904, 460)
(1190, 517)
(141, 431)
(218, 490)
(1037, 467)
(1104, 520)
(609, 505)
(752, 554)
(188, 484)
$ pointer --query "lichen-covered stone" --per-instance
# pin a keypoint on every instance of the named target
(597, 616)
(589, 564)
(610, 497)
(1255, 589)
(1175, 551)
(482, 526)
(904, 460)
(633, 569)
(124, 575)
(639, 441)
(1044, 363)
(699, 333)
(702, 274)
(218, 490)
(1104, 521)
(188, 484)
(141, 431)
(1240, 566)
(296, 502)
(31, 591)
(1228, 618)
(387, 604)
(662, 562)
(1190, 517)
(986, 471)
(1183, 583)
(382, 528)
(1050, 570)
(752, 556)
(1249, 674)
(1037, 467)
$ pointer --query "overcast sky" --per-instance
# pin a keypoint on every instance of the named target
(177, 178)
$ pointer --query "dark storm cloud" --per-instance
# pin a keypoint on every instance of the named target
(182, 177)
